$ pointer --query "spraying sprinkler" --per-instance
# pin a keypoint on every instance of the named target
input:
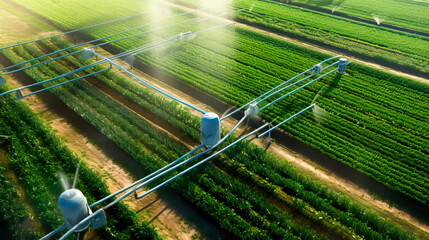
(378, 19)
(335, 8)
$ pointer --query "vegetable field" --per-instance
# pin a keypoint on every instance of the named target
(408, 14)
(371, 121)
(36, 155)
(208, 189)
(372, 41)
(371, 112)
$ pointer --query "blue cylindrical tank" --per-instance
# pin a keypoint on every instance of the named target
(342, 64)
(74, 208)
(87, 53)
(210, 129)
(316, 69)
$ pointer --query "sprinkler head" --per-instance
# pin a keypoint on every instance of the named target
(87, 53)
(74, 208)
(342, 64)
(316, 69)
(252, 110)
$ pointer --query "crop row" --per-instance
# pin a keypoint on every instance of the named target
(144, 144)
(362, 228)
(36, 165)
(410, 15)
(13, 212)
(186, 65)
(385, 44)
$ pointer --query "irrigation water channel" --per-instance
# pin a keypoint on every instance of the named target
(400, 201)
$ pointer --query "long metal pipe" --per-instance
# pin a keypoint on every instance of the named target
(151, 86)
(76, 30)
(303, 86)
(116, 40)
(273, 89)
(288, 119)
(69, 81)
(84, 67)
(178, 165)
(94, 40)
(120, 39)
(146, 177)
(293, 84)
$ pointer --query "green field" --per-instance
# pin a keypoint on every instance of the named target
(410, 14)
(210, 188)
(36, 155)
(371, 112)
(374, 122)
(372, 41)
(386, 45)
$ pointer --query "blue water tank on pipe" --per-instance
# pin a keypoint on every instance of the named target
(210, 129)
(316, 69)
(74, 208)
(87, 53)
(342, 64)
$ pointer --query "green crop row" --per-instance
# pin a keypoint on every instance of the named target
(360, 113)
(282, 175)
(13, 214)
(373, 41)
(36, 165)
(359, 223)
(142, 142)
(408, 13)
